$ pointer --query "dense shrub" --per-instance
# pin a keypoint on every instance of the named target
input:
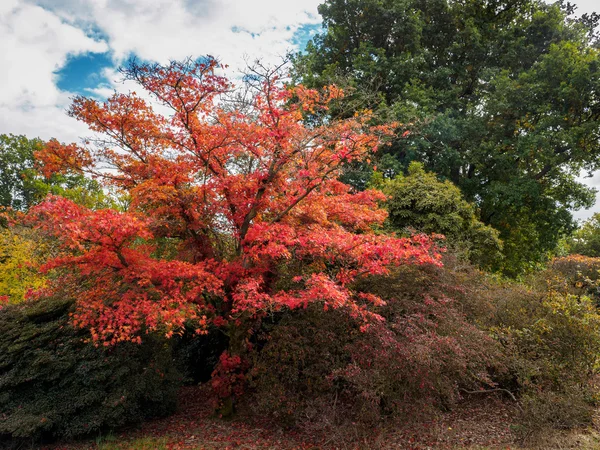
(575, 274)
(446, 330)
(316, 363)
(554, 410)
(576, 267)
(53, 384)
(420, 201)
(551, 341)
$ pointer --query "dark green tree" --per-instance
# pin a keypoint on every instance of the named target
(501, 97)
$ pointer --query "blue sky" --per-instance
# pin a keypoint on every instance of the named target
(83, 72)
(54, 49)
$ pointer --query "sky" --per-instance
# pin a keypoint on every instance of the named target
(51, 50)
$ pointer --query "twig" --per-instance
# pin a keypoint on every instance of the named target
(488, 391)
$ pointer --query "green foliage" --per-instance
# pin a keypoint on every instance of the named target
(586, 240)
(53, 384)
(22, 185)
(75, 187)
(16, 159)
(502, 98)
(421, 202)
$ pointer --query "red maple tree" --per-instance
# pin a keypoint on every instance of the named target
(235, 207)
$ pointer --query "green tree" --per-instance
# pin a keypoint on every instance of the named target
(16, 159)
(22, 185)
(504, 97)
(421, 202)
(586, 240)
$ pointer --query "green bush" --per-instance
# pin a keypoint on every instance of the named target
(54, 385)
(421, 202)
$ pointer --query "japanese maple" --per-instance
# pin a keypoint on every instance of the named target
(235, 206)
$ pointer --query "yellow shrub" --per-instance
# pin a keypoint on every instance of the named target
(20, 257)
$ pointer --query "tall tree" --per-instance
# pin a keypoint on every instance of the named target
(16, 161)
(244, 193)
(504, 96)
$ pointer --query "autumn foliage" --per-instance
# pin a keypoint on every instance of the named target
(235, 207)
(231, 234)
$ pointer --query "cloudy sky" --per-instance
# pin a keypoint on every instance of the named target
(53, 49)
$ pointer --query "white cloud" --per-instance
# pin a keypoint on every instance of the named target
(161, 30)
(35, 43)
(39, 35)
(43, 120)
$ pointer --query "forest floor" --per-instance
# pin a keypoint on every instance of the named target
(475, 424)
